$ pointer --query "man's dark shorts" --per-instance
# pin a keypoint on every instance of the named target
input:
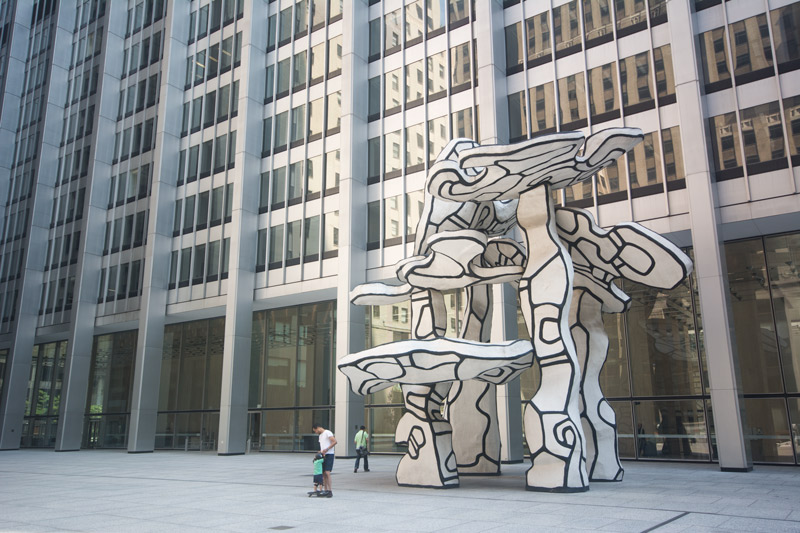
(327, 463)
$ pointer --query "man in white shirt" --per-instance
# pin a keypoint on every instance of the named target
(326, 447)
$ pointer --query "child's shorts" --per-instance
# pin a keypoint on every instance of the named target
(317, 479)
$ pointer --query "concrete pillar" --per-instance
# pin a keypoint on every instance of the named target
(353, 211)
(509, 401)
(493, 120)
(244, 236)
(710, 268)
(155, 283)
(492, 93)
(18, 366)
(77, 365)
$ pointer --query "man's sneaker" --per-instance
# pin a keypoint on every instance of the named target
(366, 470)
(328, 494)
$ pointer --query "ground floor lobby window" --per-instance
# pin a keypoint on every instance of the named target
(190, 385)
(110, 385)
(44, 395)
(292, 372)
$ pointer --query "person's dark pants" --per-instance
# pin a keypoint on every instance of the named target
(366, 460)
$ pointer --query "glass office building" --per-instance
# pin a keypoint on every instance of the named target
(192, 188)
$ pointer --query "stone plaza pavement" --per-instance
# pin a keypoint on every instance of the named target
(112, 491)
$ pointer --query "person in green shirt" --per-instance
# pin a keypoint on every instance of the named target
(361, 440)
(318, 481)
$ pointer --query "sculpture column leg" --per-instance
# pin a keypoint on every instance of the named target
(472, 405)
(598, 418)
(430, 461)
(552, 417)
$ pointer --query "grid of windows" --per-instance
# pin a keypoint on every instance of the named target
(300, 154)
(598, 95)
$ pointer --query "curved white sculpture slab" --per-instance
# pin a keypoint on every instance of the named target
(504, 172)
(437, 360)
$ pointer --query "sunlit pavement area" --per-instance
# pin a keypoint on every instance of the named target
(112, 491)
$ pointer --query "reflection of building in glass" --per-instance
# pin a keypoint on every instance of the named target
(184, 221)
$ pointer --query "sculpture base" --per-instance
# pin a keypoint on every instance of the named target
(427, 486)
(557, 489)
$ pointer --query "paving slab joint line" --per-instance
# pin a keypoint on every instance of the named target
(665, 522)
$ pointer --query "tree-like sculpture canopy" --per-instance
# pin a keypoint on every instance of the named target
(564, 269)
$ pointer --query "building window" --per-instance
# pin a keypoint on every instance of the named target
(786, 33)
(537, 33)
(517, 117)
(392, 31)
(665, 81)
(752, 52)
(414, 23)
(603, 99)
(415, 148)
(762, 138)
(572, 102)
(566, 29)
(631, 16)
(392, 162)
(438, 137)
(673, 153)
(460, 73)
(611, 184)
(514, 60)
(637, 83)
(191, 370)
(275, 246)
(437, 76)
(373, 225)
(295, 347)
(725, 145)
(462, 124)
(644, 167)
(374, 109)
(374, 39)
(597, 24)
(311, 239)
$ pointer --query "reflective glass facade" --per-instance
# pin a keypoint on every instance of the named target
(43, 398)
(291, 376)
(110, 386)
(189, 392)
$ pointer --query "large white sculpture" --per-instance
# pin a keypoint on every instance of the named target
(627, 251)
(474, 195)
